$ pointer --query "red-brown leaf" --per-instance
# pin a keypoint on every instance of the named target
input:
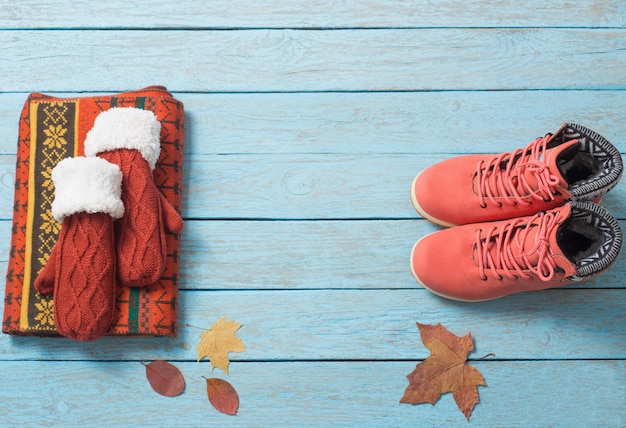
(165, 378)
(445, 370)
(222, 396)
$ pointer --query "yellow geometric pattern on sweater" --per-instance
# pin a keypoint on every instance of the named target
(53, 149)
(53, 139)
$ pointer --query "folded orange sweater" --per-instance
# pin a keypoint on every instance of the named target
(51, 129)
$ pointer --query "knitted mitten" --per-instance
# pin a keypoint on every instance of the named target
(81, 268)
(130, 138)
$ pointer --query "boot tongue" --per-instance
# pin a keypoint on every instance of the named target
(561, 158)
(555, 160)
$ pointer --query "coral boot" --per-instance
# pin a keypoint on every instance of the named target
(573, 164)
(489, 260)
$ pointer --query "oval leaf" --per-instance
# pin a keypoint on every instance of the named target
(222, 396)
(165, 378)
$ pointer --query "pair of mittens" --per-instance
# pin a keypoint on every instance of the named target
(128, 140)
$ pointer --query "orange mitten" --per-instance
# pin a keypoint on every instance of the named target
(130, 138)
(81, 268)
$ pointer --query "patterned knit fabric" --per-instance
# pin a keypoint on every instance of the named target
(51, 129)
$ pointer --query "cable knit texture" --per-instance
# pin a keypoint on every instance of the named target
(81, 273)
(81, 268)
(141, 247)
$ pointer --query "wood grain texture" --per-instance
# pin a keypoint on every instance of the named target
(320, 394)
(393, 122)
(300, 255)
(373, 122)
(307, 14)
(313, 186)
(288, 186)
(369, 325)
(314, 254)
(293, 60)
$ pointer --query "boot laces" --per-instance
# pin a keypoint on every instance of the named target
(504, 250)
(503, 176)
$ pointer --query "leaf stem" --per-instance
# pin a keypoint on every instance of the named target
(193, 326)
(491, 354)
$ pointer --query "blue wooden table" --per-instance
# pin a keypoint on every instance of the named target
(305, 124)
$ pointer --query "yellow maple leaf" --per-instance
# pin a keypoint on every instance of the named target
(218, 341)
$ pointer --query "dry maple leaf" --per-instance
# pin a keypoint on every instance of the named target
(218, 341)
(445, 370)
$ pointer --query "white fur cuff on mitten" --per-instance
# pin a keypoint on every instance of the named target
(90, 185)
(126, 128)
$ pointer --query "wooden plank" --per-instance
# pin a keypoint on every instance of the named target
(369, 186)
(373, 122)
(327, 324)
(561, 393)
(293, 60)
(296, 255)
(392, 122)
(313, 186)
(309, 255)
(306, 14)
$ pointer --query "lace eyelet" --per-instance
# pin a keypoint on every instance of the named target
(483, 278)
(499, 204)
(483, 205)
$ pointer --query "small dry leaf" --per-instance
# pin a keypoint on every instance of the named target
(445, 370)
(222, 396)
(165, 378)
(218, 341)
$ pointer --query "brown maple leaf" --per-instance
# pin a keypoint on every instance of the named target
(445, 370)
(218, 341)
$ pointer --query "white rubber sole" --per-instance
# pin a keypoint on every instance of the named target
(421, 283)
(421, 211)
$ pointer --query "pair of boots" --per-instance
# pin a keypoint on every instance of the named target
(525, 220)
(113, 219)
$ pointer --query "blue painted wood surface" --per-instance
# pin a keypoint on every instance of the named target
(305, 124)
